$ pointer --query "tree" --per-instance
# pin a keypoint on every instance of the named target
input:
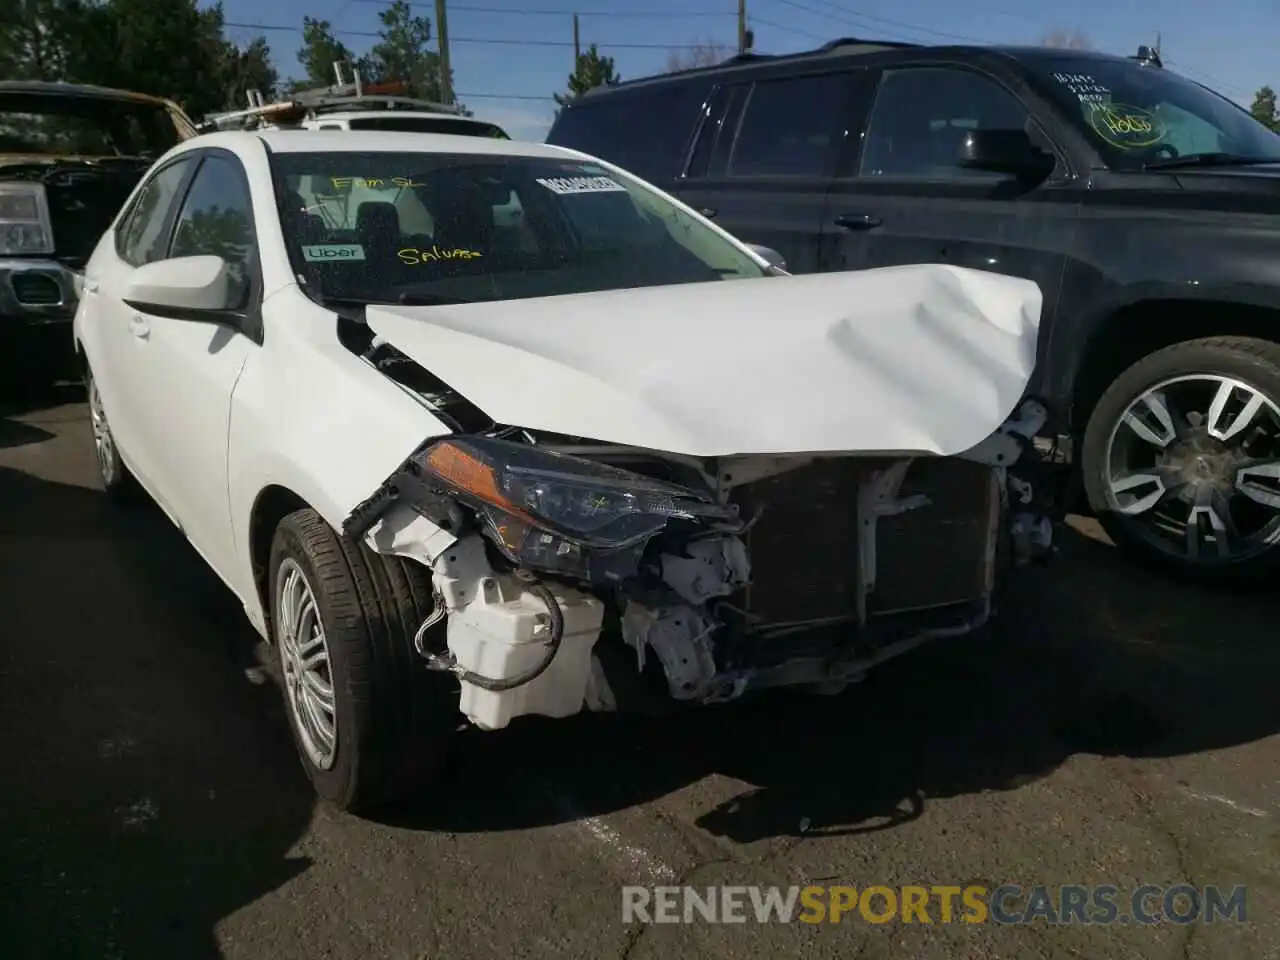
(1066, 39)
(320, 50)
(590, 71)
(1264, 108)
(249, 68)
(701, 53)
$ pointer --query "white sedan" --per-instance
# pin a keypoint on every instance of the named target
(495, 428)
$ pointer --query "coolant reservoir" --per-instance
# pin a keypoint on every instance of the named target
(504, 633)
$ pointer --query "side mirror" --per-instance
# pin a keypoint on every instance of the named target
(200, 288)
(1004, 151)
(770, 255)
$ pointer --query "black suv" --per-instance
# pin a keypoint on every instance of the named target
(1146, 206)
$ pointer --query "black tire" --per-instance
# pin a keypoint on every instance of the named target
(118, 483)
(1256, 362)
(394, 717)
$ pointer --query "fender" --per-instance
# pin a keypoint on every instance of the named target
(1074, 335)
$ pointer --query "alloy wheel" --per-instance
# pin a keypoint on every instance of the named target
(304, 659)
(1193, 468)
(103, 443)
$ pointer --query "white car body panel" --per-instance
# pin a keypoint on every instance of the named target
(916, 359)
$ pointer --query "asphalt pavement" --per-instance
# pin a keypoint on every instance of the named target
(1114, 729)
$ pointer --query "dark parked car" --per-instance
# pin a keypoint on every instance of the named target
(70, 155)
(1146, 206)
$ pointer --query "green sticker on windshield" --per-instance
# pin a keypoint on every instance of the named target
(333, 252)
(1126, 127)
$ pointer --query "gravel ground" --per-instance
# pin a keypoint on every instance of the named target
(1112, 729)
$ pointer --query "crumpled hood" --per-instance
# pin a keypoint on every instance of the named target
(915, 359)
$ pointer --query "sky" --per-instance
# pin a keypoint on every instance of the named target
(510, 56)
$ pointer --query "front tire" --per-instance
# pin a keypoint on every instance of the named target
(1181, 459)
(371, 723)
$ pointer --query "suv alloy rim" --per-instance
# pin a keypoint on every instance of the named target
(1193, 465)
(304, 658)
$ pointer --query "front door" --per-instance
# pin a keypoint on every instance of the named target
(195, 366)
(904, 199)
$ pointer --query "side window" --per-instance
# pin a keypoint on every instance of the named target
(139, 239)
(217, 218)
(921, 116)
(787, 127)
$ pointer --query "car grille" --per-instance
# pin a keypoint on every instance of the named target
(34, 288)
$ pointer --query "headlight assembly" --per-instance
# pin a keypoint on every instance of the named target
(554, 512)
(24, 220)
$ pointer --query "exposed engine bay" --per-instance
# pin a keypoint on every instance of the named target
(577, 575)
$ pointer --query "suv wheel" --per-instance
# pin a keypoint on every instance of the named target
(369, 720)
(1181, 459)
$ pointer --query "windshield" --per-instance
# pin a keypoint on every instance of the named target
(429, 227)
(1138, 115)
(84, 126)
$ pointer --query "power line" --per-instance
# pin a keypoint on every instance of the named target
(845, 16)
(269, 27)
(637, 14)
(778, 26)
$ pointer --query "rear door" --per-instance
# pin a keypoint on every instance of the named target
(900, 197)
(765, 157)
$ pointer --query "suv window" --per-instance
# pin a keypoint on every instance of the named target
(217, 219)
(787, 127)
(138, 239)
(645, 131)
(921, 116)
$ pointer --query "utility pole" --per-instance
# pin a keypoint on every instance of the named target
(1157, 43)
(742, 26)
(577, 52)
(442, 40)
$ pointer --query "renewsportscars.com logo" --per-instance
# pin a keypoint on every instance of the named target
(1006, 904)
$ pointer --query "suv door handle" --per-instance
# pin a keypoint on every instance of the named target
(708, 212)
(857, 221)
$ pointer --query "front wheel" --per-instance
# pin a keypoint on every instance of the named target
(1181, 459)
(369, 720)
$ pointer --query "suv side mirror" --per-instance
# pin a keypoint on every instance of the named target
(1004, 151)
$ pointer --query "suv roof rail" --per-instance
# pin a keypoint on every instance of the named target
(833, 45)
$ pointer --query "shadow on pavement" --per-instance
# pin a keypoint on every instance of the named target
(1089, 656)
(151, 789)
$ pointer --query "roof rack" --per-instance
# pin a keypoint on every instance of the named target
(840, 43)
(1150, 55)
(309, 104)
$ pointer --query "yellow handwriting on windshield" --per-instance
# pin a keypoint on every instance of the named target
(374, 183)
(412, 255)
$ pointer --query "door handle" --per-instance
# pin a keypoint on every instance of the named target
(857, 221)
(90, 286)
(139, 326)
(708, 212)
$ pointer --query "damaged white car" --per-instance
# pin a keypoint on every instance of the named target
(491, 427)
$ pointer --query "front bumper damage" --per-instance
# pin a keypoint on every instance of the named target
(779, 571)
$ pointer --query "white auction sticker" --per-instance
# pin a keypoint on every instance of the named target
(565, 185)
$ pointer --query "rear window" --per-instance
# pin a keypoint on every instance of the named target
(645, 131)
(461, 128)
(84, 126)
